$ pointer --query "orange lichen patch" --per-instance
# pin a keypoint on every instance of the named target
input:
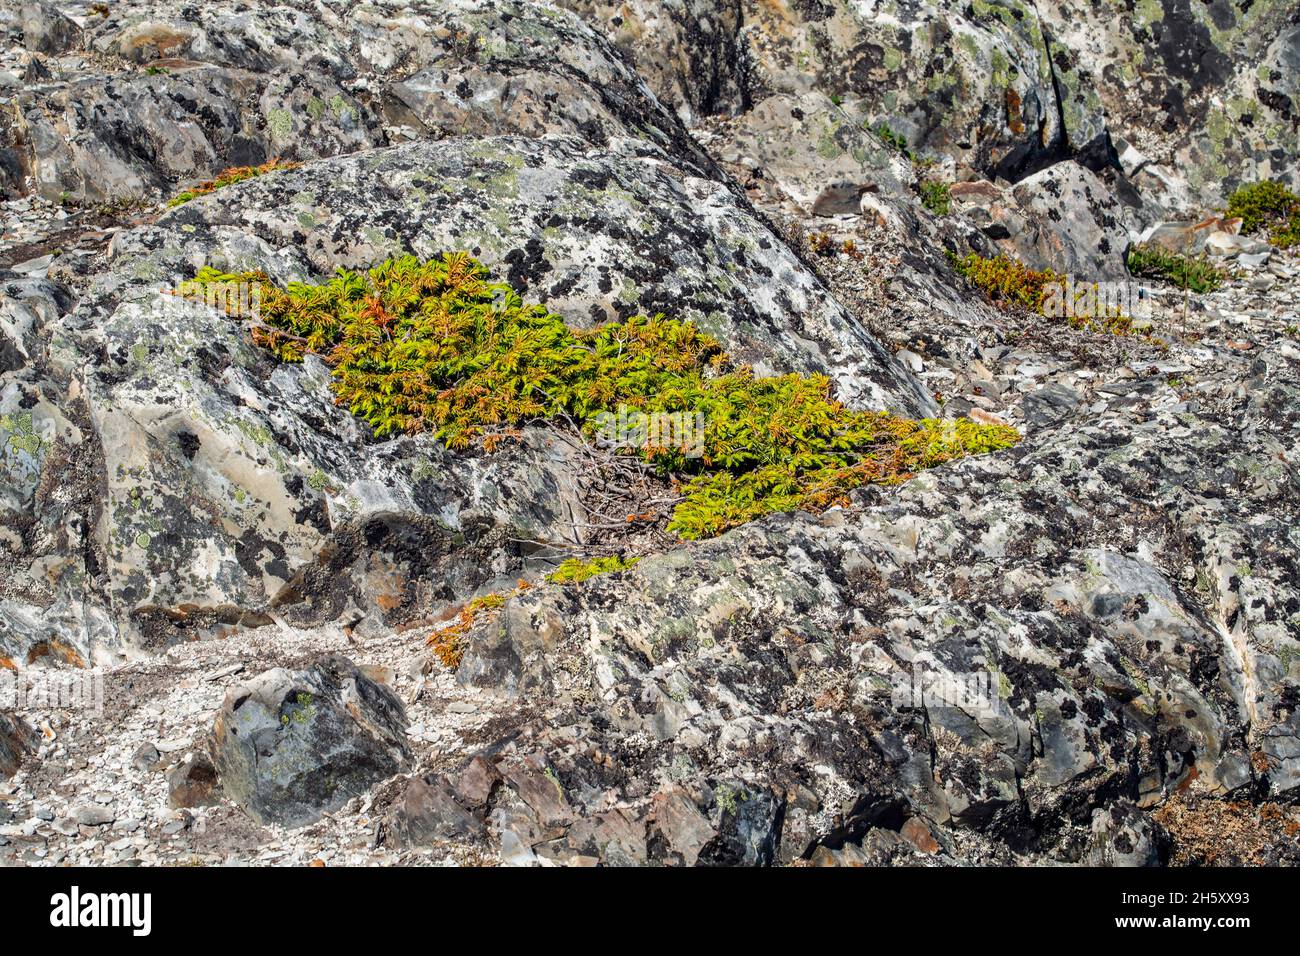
(58, 649)
(7, 664)
(1014, 122)
(388, 602)
(918, 833)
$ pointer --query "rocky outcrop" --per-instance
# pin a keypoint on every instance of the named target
(291, 745)
(192, 90)
(1202, 93)
(810, 158)
(1063, 218)
(1079, 650)
(991, 648)
(698, 63)
(1201, 97)
(17, 741)
(200, 487)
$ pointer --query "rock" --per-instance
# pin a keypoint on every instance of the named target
(292, 745)
(46, 29)
(1063, 218)
(1086, 668)
(17, 742)
(427, 811)
(1227, 245)
(1139, 74)
(1053, 654)
(1124, 836)
(987, 98)
(145, 758)
(314, 519)
(193, 783)
(92, 815)
(1050, 404)
(690, 51)
(468, 66)
(814, 157)
(474, 784)
(679, 830)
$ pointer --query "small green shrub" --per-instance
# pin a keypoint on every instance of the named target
(228, 177)
(1288, 235)
(1012, 286)
(895, 141)
(575, 570)
(435, 346)
(1007, 281)
(1193, 274)
(936, 196)
(1270, 207)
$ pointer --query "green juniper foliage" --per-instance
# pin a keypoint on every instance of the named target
(575, 570)
(1195, 275)
(936, 196)
(435, 346)
(1269, 207)
(1012, 286)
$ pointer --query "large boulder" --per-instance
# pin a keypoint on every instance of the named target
(46, 30)
(970, 81)
(690, 52)
(290, 746)
(1063, 218)
(1204, 93)
(184, 484)
(813, 158)
(1202, 96)
(17, 742)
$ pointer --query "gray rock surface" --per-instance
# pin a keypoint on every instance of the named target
(144, 405)
(17, 740)
(1082, 650)
(291, 745)
(181, 92)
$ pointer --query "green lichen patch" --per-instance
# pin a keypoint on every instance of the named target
(19, 432)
